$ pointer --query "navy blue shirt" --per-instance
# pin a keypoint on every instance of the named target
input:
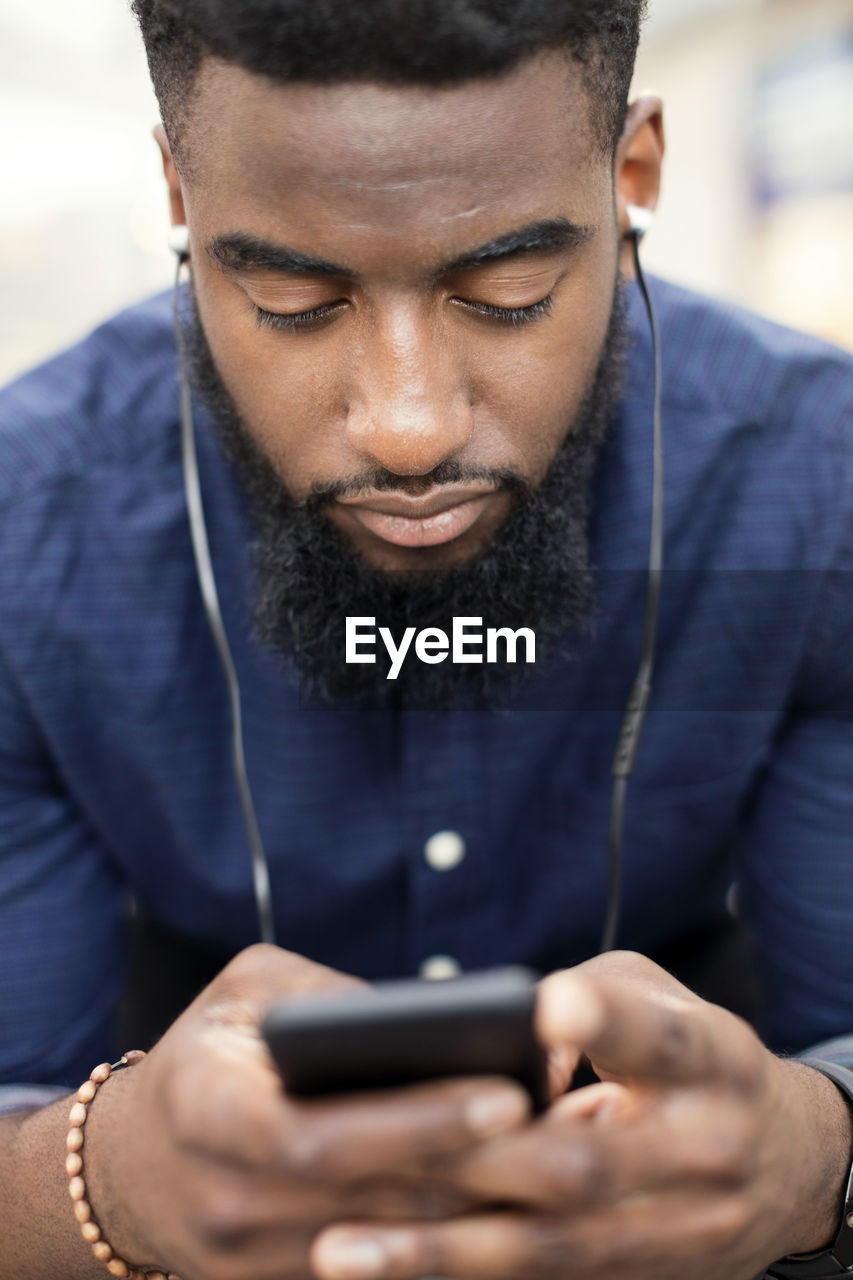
(115, 772)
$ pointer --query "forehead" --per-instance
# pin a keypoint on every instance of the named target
(435, 167)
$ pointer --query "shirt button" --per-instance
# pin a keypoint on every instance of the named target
(436, 968)
(445, 850)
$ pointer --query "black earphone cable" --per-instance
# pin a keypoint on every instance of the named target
(638, 699)
(210, 598)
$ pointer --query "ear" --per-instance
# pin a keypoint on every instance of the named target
(170, 172)
(639, 157)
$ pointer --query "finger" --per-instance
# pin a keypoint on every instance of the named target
(340, 1140)
(562, 1063)
(597, 1102)
(635, 1022)
(572, 1166)
(661, 1239)
(251, 1214)
(491, 1246)
(404, 1129)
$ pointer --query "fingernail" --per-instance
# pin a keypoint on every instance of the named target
(493, 1113)
(568, 1011)
(350, 1259)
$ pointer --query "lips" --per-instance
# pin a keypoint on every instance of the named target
(419, 522)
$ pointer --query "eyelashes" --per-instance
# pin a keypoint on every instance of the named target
(512, 316)
(295, 320)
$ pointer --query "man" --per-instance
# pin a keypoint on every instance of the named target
(404, 322)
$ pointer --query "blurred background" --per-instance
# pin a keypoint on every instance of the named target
(757, 203)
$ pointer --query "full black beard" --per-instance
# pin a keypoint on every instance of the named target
(535, 573)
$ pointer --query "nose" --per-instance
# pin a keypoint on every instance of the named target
(409, 409)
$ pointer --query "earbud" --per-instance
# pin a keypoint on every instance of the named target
(179, 242)
(640, 219)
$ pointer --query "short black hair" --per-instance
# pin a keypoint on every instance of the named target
(425, 42)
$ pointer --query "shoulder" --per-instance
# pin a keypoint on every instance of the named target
(757, 427)
(724, 360)
(106, 401)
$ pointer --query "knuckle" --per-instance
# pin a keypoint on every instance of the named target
(675, 1038)
(251, 963)
(623, 963)
(277, 971)
(307, 1151)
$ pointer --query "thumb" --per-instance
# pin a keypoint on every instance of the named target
(569, 1013)
(263, 975)
(634, 1021)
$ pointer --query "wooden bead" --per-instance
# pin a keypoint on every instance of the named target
(90, 1230)
(82, 1211)
(77, 1115)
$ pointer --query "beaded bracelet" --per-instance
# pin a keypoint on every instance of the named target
(89, 1228)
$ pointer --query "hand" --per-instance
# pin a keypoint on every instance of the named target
(197, 1162)
(701, 1157)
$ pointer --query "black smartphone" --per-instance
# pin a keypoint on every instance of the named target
(400, 1032)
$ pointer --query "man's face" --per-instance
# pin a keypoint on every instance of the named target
(406, 291)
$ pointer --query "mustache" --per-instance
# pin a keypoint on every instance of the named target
(448, 472)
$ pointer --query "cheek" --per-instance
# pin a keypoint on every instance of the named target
(288, 398)
(530, 389)
(523, 406)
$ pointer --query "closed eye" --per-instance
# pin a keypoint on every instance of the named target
(291, 320)
(510, 315)
(296, 319)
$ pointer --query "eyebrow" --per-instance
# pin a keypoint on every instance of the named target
(239, 251)
(548, 235)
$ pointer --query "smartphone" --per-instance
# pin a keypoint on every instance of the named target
(397, 1033)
